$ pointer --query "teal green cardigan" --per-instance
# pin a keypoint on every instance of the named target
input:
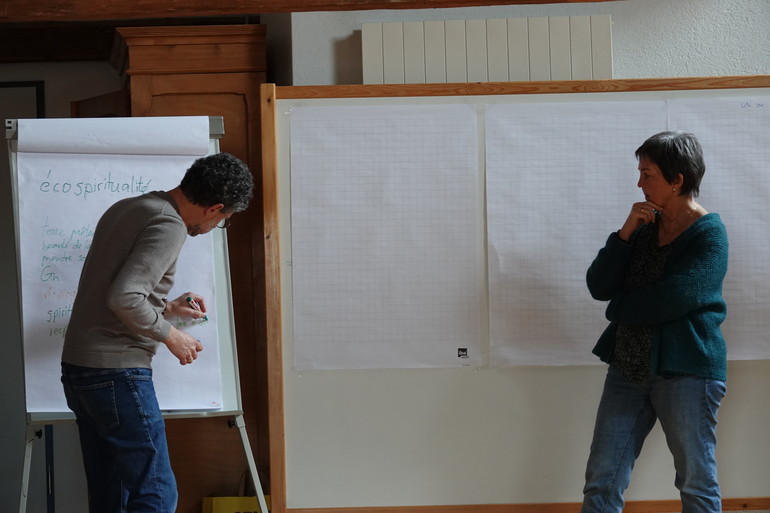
(684, 308)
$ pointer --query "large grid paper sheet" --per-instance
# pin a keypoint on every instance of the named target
(560, 178)
(69, 172)
(735, 135)
(387, 237)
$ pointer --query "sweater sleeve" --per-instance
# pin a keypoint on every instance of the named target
(605, 275)
(154, 253)
(692, 281)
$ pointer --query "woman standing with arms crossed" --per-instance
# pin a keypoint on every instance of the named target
(662, 274)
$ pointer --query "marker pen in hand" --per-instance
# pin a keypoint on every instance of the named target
(195, 305)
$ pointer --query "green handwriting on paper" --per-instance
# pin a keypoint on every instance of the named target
(62, 246)
(57, 320)
(131, 185)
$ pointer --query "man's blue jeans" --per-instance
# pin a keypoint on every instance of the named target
(687, 409)
(122, 438)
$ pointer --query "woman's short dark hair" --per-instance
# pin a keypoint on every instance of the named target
(219, 178)
(674, 153)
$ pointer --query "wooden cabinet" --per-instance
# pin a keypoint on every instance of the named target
(214, 71)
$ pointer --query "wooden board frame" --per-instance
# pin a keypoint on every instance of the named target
(270, 94)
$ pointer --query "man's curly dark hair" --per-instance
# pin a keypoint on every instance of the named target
(219, 178)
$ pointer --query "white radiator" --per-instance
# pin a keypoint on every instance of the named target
(491, 50)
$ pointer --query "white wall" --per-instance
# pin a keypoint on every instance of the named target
(64, 83)
(651, 38)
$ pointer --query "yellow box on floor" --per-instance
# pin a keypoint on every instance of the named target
(232, 504)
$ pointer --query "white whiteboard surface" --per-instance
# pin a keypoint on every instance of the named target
(66, 173)
(496, 435)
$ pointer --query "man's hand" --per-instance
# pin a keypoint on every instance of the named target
(183, 346)
(188, 304)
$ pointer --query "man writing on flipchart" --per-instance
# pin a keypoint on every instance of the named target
(117, 324)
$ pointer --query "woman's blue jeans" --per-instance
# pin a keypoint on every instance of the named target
(122, 438)
(687, 409)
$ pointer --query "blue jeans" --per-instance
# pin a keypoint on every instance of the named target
(687, 409)
(122, 438)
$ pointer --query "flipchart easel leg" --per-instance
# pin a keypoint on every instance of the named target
(32, 433)
(241, 425)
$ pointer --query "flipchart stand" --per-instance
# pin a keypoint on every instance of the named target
(38, 423)
(35, 432)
